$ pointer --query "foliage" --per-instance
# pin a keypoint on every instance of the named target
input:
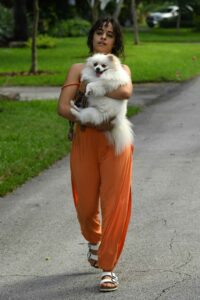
(197, 16)
(43, 41)
(6, 23)
(70, 28)
(20, 20)
(125, 17)
(60, 29)
(186, 21)
(197, 22)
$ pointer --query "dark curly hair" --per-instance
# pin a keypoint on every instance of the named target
(118, 48)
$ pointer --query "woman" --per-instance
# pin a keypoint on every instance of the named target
(99, 177)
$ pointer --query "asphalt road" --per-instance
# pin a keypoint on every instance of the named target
(43, 256)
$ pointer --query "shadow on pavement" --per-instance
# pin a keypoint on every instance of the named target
(61, 286)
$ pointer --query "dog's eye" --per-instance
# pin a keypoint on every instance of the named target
(103, 66)
(95, 64)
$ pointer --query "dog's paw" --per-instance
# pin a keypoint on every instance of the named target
(74, 106)
(74, 112)
(89, 91)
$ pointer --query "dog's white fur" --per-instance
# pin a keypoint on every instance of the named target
(104, 73)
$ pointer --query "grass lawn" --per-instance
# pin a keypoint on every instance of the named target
(32, 137)
(162, 55)
(167, 35)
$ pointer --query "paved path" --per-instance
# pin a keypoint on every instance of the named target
(143, 93)
(43, 256)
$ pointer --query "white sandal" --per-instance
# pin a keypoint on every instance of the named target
(113, 280)
(93, 258)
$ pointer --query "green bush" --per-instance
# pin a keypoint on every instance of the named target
(60, 29)
(43, 41)
(197, 22)
(6, 23)
(70, 28)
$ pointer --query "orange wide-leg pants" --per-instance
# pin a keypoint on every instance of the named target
(101, 181)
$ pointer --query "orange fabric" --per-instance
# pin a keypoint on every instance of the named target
(70, 84)
(101, 181)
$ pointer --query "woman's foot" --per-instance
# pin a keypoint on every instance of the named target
(109, 282)
(93, 255)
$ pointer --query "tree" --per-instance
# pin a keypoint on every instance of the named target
(135, 22)
(117, 11)
(118, 6)
(181, 4)
(94, 5)
(178, 23)
(34, 36)
(103, 3)
(185, 5)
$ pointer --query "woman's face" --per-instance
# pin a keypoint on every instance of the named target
(104, 39)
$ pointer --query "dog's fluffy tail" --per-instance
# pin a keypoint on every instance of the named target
(121, 135)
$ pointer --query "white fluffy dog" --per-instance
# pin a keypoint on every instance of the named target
(104, 73)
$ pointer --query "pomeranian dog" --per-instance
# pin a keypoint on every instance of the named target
(103, 74)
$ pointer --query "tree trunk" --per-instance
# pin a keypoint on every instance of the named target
(135, 23)
(20, 21)
(178, 24)
(34, 36)
(95, 11)
(118, 9)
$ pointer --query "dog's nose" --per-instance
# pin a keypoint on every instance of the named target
(98, 70)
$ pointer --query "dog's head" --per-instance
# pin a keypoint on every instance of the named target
(100, 63)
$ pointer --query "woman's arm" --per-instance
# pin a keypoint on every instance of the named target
(68, 92)
(123, 92)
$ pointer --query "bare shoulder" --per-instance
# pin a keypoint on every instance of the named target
(74, 73)
(127, 69)
(76, 68)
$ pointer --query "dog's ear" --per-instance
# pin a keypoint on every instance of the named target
(111, 57)
(114, 60)
(89, 61)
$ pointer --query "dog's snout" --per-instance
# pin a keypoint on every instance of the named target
(98, 69)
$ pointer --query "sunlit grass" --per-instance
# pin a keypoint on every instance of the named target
(163, 55)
